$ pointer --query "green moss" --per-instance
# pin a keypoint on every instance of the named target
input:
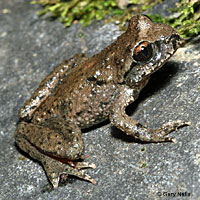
(82, 10)
(85, 11)
(186, 20)
(143, 149)
(143, 165)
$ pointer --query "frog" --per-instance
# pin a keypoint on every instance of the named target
(84, 91)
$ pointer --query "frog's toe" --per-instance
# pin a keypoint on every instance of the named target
(54, 178)
(82, 165)
(82, 175)
(161, 133)
(58, 172)
(174, 125)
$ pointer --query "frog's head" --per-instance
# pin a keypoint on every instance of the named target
(153, 45)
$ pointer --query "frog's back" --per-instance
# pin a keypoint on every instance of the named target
(86, 93)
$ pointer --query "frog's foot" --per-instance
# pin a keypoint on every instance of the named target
(130, 126)
(138, 131)
(58, 172)
(159, 134)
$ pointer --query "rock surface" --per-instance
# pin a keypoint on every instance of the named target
(29, 49)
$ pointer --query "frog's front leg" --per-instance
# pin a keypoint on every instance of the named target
(57, 144)
(127, 124)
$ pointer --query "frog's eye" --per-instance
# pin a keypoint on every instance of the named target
(143, 52)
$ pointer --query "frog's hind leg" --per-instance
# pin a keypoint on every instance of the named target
(56, 147)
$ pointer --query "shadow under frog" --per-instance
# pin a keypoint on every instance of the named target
(83, 92)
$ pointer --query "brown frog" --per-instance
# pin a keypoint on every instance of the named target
(83, 91)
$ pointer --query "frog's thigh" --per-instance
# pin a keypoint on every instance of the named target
(55, 137)
(54, 169)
